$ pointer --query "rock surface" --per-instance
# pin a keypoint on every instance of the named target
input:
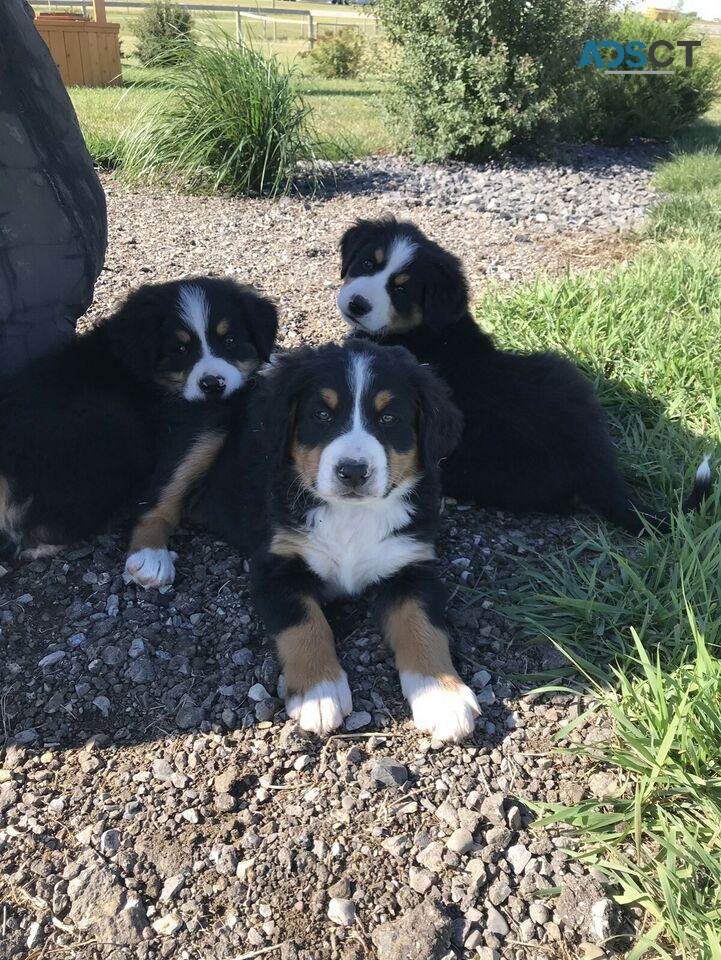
(54, 226)
(101, 905)
(423, 933)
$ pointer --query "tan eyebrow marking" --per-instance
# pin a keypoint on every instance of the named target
(382, 399)
(379, 255)
(330, 398)
(222, 328)
(183, 336)
(401, 278)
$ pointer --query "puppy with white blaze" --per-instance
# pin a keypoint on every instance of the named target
(127, 419)
(344, 498)
(535, 437)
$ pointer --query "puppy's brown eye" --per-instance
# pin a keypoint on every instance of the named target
(323, 415)
(229, 340)
(387, 418)
(400, 289)
(368, 264)
(182, 348)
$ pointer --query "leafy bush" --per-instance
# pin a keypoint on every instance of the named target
(231, 120)
(477, 77)
(615, 109)
(339, 55)
(163, 31)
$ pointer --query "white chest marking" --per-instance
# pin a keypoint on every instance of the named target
(352, 545)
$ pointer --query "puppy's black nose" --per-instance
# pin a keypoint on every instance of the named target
(358, 307)
(211, 385)
(352, 473)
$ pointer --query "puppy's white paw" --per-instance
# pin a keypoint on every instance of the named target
(151, 567)
(324, 707)
(447, 713)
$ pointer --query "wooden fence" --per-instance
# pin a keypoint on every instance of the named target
(307, 21)
(87, 54)
(85, 51)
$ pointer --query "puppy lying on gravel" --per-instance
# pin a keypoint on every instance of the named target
(131, 414)
(331, 484)
(535, 438)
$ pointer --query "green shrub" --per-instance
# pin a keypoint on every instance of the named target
(231, 120)
(615, 109)
(163, 30)
(477, 77)
(339, 55)
(474, 77)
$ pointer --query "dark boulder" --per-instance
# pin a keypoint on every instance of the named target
(53, 221)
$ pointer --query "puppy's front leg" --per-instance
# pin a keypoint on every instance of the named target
(149, 562)
(317, 691)
(410, 607)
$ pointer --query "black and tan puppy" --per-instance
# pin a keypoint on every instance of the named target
(343, 497)
(535, 438)
(127, 417)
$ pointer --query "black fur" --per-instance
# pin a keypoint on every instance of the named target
(536, 437)
(259, 499)
(76, 442)
(89, 432)
(251, 489)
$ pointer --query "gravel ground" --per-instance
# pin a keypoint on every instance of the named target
(155, 801)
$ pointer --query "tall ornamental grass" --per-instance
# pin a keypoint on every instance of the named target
(231, 121)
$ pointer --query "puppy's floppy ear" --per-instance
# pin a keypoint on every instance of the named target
(262, 319)
(445, 297)
(440, 421)
(134, 329)
(352, 240)
(282, 385)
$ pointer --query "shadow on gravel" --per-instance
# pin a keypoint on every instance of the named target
(84, 654)
(502, 181)
(146, 762)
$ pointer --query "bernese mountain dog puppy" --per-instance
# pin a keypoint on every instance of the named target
(127, 417)
(343, 497)
(536, 437)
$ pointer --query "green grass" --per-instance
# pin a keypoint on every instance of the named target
(647, 333)
(105, 115)
(658, 835)
(349, 113)
(691, 172)
(640, 620)
(346, 113)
